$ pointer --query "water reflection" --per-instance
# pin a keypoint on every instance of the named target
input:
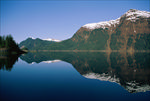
(131, 71)
(7, 61)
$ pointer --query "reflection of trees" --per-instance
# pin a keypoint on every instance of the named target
(83, 61)
(97, 62)
(128, 68)
(7, 61)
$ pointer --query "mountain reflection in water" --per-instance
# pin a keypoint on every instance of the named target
(131, 71)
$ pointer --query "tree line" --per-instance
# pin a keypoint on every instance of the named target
(9, 43)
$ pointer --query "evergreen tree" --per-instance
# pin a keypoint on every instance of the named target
(0, 42)
(9, 43)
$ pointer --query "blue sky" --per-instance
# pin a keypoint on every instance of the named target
(59, 19)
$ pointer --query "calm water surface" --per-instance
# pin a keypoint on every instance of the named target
(75, 77)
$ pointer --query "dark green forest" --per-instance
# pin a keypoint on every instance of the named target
(9, 44)
(96, 40)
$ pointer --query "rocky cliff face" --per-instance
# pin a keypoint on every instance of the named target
(129, 32)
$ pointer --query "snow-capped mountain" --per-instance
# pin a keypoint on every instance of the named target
(131, 15)
(104, 24)
(49, 39)
(32, 37)
(134, 14)
(130, 32)
(124, 33)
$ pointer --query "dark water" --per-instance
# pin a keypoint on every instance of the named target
(75, 77)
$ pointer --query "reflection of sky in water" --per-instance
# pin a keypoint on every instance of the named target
(58, 81)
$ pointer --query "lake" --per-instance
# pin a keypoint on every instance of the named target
(75, 76)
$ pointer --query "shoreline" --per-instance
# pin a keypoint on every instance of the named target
(89, 51)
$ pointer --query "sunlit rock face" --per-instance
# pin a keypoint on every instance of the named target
(131, 31)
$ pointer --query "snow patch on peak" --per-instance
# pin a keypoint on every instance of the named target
(131, 15)
(32, 37)
(104, 24)
(134, 14)
(48, 39)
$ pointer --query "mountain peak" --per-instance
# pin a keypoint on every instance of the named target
(104, 24)
(134, 14)
(131, 15)
(48, 39)
(132, 10)
(32, 37)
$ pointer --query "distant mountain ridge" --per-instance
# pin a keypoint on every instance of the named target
(36, 43)
(131, 31)
(49, 39)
